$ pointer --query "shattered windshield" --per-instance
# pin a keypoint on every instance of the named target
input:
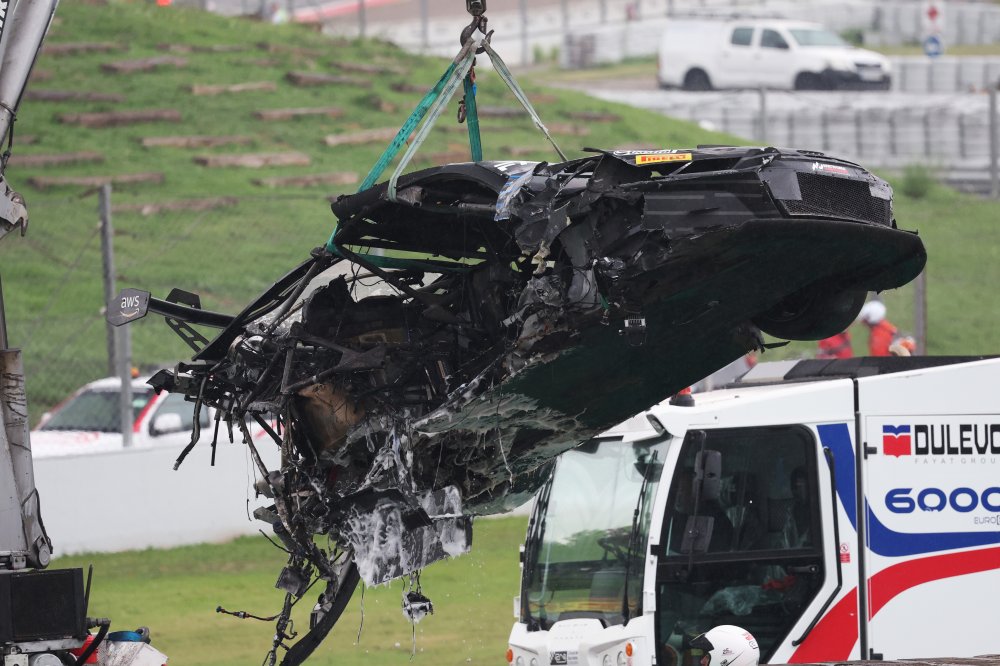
(814, 37)
(587, 555)
(96, 410)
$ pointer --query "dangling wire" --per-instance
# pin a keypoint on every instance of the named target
(357, 641)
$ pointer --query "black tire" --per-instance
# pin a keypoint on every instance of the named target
(812, 314)
(304, 647)
(810, 81)
(697, 79)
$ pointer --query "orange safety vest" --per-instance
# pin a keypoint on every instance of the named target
(881, 337)
(836, 346)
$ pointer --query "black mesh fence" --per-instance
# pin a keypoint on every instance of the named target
(53, 278)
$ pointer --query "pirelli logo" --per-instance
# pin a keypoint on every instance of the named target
(662, 157)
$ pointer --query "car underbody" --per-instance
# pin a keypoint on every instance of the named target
(453, 337)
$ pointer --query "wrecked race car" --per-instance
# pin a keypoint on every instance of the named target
(457, 333)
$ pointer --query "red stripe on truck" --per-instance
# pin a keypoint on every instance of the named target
(888, 583)
(833, 637)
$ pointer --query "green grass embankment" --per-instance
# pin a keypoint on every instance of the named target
(175, 593)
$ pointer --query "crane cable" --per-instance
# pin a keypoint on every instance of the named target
(436, 100)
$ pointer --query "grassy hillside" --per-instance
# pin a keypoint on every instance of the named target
(52, 277)
(175, 593)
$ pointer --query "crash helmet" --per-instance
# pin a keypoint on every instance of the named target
(728, 645)
(872, 312)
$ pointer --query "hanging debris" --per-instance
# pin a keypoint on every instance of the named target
(448, 342)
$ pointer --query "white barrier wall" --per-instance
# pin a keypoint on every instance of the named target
(134, 499)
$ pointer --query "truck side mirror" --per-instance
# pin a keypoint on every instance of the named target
(166, 423)
(708, 474)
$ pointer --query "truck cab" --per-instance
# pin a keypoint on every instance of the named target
(837, 510)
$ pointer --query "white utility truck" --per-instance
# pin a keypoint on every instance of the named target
(838, 510)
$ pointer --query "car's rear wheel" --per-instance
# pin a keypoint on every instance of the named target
(812, 314)
(697, 79)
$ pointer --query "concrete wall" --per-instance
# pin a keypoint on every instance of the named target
(128, 500)
(134, 499)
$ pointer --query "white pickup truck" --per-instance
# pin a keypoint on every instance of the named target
(701, 54)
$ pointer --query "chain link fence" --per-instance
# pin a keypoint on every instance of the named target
(54, 284)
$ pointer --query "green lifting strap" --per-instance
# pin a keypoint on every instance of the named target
(463, 63)
(472, 119)
(405, 131)
(433, 103)
(501, 68)
(431, 106)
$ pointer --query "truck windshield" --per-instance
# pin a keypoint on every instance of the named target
(95, 410)
(582, 551)
(813, 37)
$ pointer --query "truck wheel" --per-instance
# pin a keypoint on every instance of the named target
(809, 81)
(697, 79)
(812, 314)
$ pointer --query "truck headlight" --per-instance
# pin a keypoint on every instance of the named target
(606, 661)
(621, 659)
(519, 661)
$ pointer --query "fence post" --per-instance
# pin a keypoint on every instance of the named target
(992, 126)
(3, 321)
(108, 261)
(362, 19)
(893, 131)
(119, 339)
(525, 46)
(928, 143)
(859, 142)
(762, 119)
(425, 29)
(920, 312)
(961, 136)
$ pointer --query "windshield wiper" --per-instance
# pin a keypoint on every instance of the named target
(634, 534)
(533, 542)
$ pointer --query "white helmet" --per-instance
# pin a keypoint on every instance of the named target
(728, 645)
(872, 312)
